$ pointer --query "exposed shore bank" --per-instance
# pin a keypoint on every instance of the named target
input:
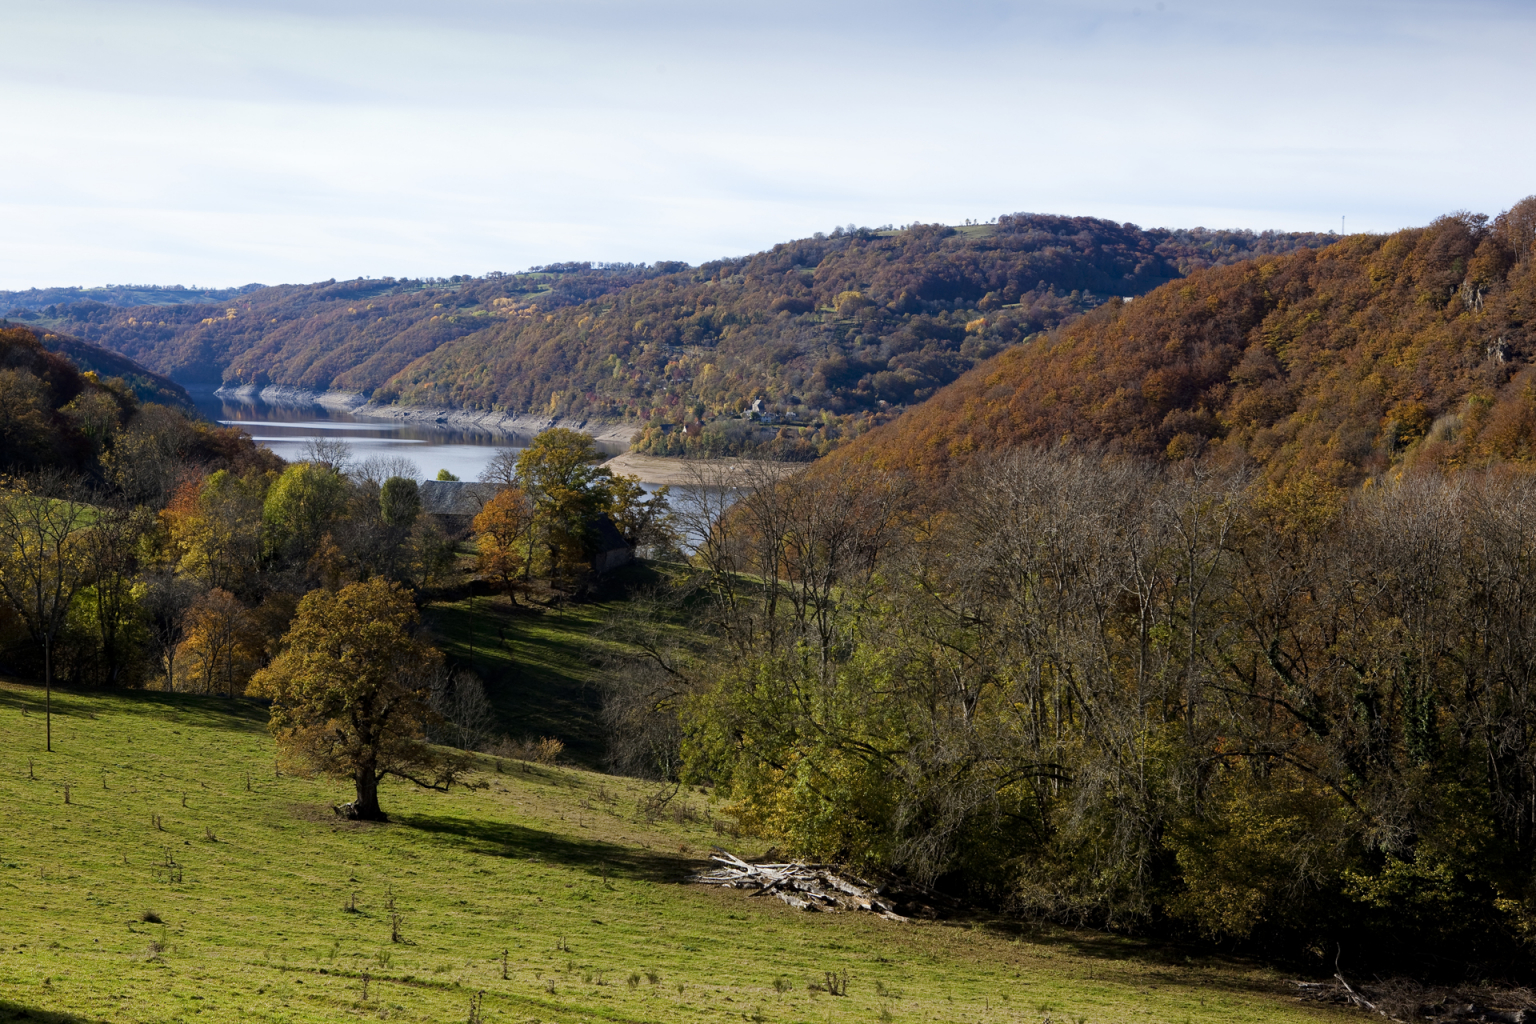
(614, 432)
(652, 469)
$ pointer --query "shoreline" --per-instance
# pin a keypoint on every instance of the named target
(654, 470)
(525, 425)
(673, 472)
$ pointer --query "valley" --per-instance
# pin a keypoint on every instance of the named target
(831, 335)
(1187, 632)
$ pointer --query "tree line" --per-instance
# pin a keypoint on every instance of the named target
(1178, 700)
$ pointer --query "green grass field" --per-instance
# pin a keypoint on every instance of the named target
(185, 879)
(541, 665)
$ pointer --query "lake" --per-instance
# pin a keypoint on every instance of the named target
(287, 429)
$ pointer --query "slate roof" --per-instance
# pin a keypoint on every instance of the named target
(608, 536)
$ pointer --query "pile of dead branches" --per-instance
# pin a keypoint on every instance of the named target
(802, 886)
(1407, 1002)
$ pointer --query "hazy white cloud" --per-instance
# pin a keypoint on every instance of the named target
(220, 143)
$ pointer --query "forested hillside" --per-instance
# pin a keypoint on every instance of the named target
(1337, 363)
(833, 333)
(146, 385)
(348, 335)
(55, 412)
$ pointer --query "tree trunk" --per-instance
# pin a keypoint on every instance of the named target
(366, 806)
(48, 690)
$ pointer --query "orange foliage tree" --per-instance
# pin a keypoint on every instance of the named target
(502, 531)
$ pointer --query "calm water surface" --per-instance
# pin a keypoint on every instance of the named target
(287, 429)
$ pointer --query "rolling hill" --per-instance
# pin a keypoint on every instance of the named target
(102, 421)
(147, 385)
(1415, 346)
(833, 333)
(35, 303)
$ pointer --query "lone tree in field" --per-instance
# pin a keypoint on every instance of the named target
(351, 690)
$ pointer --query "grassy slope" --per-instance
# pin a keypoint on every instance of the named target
(255, 926)
(541, 666)
(537, 666)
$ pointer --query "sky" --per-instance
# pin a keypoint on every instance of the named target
(218, 144)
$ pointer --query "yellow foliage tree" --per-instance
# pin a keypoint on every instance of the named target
(215, 528)
(351, 691)
(222, 646)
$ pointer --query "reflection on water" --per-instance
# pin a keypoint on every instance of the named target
(287, 430)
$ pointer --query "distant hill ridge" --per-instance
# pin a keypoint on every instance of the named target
(37, 300)
(1377, 352)
(831, 335)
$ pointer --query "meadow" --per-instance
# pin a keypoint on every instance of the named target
(157, 867)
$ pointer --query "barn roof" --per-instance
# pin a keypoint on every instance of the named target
(608, 536)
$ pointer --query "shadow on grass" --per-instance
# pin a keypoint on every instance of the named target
(240, 714)
(10, 1011)
(501, 839)
(1164, 961)
(541, 664)
(538, 668)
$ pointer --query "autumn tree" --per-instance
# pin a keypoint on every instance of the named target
(641, 517)
(561, 473)
(300, 507)
(41, 564)
(110, 549)
(382, 520)
(150, 458)
(351, 693)
(222, 644)
(25, 419)
(501, 531)
(215, 528)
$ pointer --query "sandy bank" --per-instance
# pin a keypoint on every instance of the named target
(726, 472)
